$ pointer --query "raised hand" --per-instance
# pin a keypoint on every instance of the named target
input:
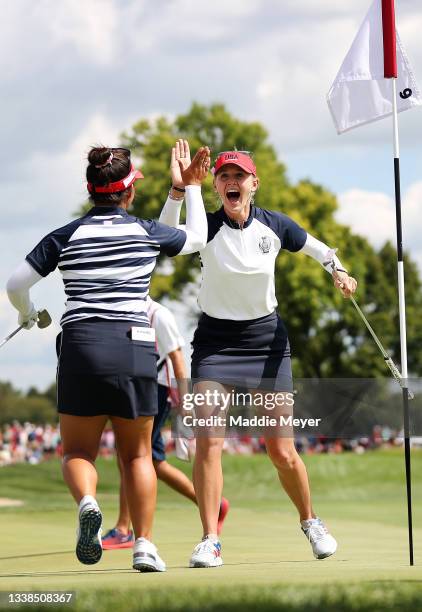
(180, 160)
(198, 169)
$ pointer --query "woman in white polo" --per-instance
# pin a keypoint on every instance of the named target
(240, 338)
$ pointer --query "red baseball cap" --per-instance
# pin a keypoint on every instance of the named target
(238, 158)
(121, 185)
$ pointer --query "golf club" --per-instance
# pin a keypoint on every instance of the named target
(390, 363)
(43, 321)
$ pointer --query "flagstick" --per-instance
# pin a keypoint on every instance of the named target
(402, 317)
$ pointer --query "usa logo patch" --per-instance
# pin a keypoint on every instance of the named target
(265, 244)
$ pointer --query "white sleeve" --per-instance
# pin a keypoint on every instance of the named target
(318, 250)
(168, 336)
(196, 227)
(18, 287)
(170, 215)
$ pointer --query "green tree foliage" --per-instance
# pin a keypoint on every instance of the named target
(326, 334)
(34, 406)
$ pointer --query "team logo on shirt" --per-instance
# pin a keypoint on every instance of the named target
(265, 244)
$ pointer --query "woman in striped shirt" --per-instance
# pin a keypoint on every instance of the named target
(106, 351)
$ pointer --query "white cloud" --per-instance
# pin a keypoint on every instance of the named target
(370, 214)
(51, 184)
(373, 215)
(272, 62)
(89, 27)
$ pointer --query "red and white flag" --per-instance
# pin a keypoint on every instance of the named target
(361, 92)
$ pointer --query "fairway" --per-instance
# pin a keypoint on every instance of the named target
(267, 560)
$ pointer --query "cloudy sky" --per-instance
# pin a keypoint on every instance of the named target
(78, 73)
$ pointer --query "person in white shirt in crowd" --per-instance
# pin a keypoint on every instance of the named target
(242, 341)
(107, 361)
(171, 369)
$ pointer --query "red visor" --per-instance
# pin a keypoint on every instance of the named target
(237, 158)
(117, 185)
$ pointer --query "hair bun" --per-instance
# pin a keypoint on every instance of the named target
(99, 156)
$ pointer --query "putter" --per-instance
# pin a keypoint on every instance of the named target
(390, 363)
(43, 321)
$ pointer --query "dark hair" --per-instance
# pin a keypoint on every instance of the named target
(101, 171)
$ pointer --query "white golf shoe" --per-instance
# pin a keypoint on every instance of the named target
(146, 557)
(322, 542)
(206, 554)
(88, 537)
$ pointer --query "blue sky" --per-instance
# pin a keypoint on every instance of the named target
(77, 73)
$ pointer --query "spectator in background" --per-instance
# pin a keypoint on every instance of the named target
(171, 371)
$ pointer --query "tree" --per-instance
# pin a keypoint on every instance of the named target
(214, 126)
(34, 406)
(326, 334)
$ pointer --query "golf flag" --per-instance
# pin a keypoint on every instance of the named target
(361, 92)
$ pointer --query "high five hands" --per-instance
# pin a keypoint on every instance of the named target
(183, 170)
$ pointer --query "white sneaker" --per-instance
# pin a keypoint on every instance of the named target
(88, 536)
(322, 542)
(206, 554)
(146, 558)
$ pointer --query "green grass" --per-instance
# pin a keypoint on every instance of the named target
(268, 563)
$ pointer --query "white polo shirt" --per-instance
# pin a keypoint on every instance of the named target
(168, 339)
(238, 264)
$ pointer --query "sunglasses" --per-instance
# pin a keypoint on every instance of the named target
(235, 151)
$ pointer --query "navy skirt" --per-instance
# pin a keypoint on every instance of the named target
(101, 370)
(253, 354)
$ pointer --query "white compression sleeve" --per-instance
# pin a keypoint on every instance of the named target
(196, 219)
(18, 287)
(318, 250)
(196, 227)
(170, 214)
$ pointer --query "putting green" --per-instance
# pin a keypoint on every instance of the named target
(361, 499)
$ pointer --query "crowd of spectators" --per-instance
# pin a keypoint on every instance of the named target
(20, 443)
(29, 443)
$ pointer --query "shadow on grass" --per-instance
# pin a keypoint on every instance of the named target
(46, 554)
(84, 571)
(126, 570)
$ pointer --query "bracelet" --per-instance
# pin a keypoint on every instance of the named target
(181, 189)
(172, 197)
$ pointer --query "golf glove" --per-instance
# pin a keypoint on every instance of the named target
(27, 321)
(182, 439)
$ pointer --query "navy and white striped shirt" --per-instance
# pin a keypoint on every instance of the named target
(106, 259)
